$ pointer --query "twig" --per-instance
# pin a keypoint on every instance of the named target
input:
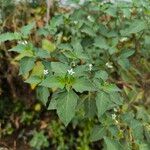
(49, 6)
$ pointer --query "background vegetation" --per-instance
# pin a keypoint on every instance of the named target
(110, 42)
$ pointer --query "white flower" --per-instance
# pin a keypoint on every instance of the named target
(45, 71)
(75, 22)
(90, 67)
(90, 18)
(109, 65)
(123, 39)
(22, 42)
(116, 121)
(115, 110)
(71, 72)
(113, 116)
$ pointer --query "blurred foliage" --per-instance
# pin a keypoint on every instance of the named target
(114, 40)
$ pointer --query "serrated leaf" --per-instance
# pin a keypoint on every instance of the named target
(112, 144)
(110, 88)
(126, 54)
(135, 27)
(59, 67)
(76, 44)
(53, 103)
(25, 30)
(42, 53)
(137, 129)
(101, 75)
(116, 98)
(10, 36)
(80, 70)
(26, 64)
(98, 132)
(19, 48)
(89, 108)
(102, 103)
(53, 82)
(82, 84)
(42, 94)
(124, 63)
(88, 31)
(100, 42)
(66, 105)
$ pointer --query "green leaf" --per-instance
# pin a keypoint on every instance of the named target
(137, 129)
(110, 88)
(42, 53)
(76, 44)
(25, 30)
(89, 108)
(124, 63)
(144, 146)
(33, 80)
(53, 82)
(38, 69)
(66, 105)
(88, 31)
(80, 70)
(126, 54)
(48, 45)
(42, 94)
(112, 144)
(135, 27)
(116, 98)
(100, 42)
(10, 36)
(83, 84)
(53, 102)
(19, 48)
(101, 75)
(26, 64)
(102, 102)
(112, 11)
(59, 67)
(98, 132)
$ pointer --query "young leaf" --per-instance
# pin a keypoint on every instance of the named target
(26, 64)
(102, 102)
(48, 45)
(66, 105)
